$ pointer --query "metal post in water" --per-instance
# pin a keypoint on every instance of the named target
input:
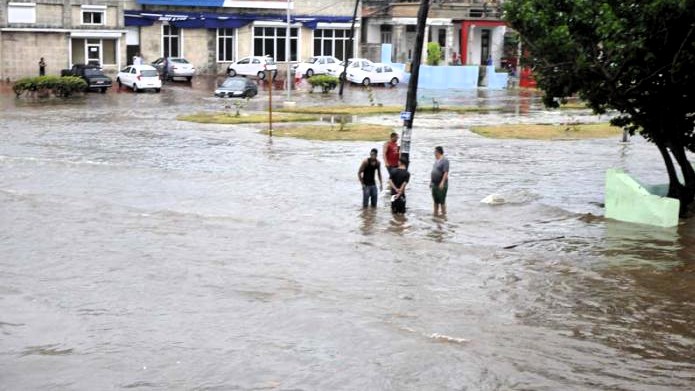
(352, 45)
(411, 100)
(288, 57)
(269, 78)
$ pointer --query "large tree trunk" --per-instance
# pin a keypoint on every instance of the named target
(675, 187)
(688, 191)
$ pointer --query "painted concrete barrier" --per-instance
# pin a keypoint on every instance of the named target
(627, 200)
(496, 80)
(448, 77)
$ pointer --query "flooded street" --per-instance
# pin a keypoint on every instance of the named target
(140, 252)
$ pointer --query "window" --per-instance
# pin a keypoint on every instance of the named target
(332, 42)
(171, 41)
(21, 13)
(270, 41)
(386, 33)
(92, 17)
(225, 45)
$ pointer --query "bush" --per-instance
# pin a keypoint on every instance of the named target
(59, 86)
(326, 82)
(434, 53)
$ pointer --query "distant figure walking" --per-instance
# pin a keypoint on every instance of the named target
(137, 60)
(439, 181)
(391, 153)
(398, 182)
(42, 67)
(368, 168)
(165, 69)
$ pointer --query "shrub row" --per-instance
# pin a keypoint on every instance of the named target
(59, 86)
(326, 82)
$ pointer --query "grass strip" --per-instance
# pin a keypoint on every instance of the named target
(255, 118)
(548, 132)
(371, 110)
(349, 132)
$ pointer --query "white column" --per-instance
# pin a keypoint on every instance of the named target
(449, 43)
(425, 42)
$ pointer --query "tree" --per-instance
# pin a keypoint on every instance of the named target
(636, 57)
(434, 53)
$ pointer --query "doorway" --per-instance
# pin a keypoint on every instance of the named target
(93, 48)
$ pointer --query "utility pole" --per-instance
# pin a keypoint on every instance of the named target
(411, 100)
(269, 79)
(352, 45)
(288, 56)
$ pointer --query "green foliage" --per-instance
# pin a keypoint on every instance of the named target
(325, 82)
(434, 53)
(59, 86)
(635, 57)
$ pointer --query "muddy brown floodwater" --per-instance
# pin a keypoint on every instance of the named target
(138, 252)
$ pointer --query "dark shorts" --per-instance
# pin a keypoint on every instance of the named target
(439, 195)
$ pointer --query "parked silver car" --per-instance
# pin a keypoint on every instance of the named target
(177, 67)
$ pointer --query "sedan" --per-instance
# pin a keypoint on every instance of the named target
(176, 67)
(317, 65)
(240, 87)
(253, 66)
(377, 73)
(352, 63)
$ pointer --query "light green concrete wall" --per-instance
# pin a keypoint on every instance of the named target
(627, 200)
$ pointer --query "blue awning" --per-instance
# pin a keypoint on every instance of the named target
(210, 20)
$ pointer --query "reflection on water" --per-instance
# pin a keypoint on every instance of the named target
(143, 252)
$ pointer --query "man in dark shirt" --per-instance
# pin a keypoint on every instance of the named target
(439, 180)
(398, 182)
(369, 167)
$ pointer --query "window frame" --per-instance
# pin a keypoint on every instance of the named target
(12, 7)
(92, 12)
(234, 38)
(296, 38)
(169, 36)
(319, 42)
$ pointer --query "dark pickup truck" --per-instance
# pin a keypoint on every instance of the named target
(95, 78)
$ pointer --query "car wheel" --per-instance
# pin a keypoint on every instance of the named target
(251, 93)
(135, 88)
(394, 82)
(366, 81)
(309, 72)
(231, 72)
(103, 90)
(261, 75)
(189, 78)
(158, 90)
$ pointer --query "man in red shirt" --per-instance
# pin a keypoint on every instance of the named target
(391, 153)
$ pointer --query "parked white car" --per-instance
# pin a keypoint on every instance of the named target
(352, 63)
(376, 73)
(317, 65)
(253, 66)
(139, 78)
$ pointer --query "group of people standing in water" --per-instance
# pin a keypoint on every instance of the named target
(397, 168)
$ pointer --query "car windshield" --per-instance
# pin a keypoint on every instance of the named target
(312, 60)
(234, 83)
(92, 72)
(149, 73)
(179, 60)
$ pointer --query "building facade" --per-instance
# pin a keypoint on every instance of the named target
(470, 32)
(209, 33)
(213, 33)
(63, 32)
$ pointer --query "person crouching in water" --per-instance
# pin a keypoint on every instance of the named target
(369, 167)
(398, 182)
